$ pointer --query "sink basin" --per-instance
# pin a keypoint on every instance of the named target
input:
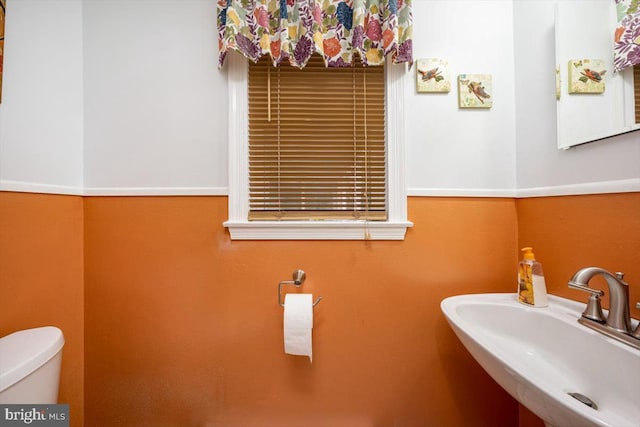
(541, 355)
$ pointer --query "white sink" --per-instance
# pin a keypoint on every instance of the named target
(540, 355)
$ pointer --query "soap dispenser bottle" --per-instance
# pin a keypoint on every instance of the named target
(532, 289)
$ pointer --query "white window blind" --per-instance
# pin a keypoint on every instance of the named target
(316, 142)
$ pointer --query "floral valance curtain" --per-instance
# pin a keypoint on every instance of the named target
(294, 30)
(2, 7)
(627, 35)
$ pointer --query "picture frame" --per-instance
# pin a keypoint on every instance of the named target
(586, 76)
(558, 83)
(475, 91)
(432, 76)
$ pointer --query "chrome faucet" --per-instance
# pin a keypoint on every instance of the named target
(617, 324)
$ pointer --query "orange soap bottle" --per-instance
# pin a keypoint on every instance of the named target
(532, 289)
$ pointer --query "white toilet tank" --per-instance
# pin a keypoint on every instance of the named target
(30, 366)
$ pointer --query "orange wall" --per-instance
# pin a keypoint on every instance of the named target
(41, 278)
(568, 233)
(183, 327)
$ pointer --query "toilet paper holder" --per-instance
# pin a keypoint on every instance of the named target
(298, 278)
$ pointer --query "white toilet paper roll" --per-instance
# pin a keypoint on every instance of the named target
(298, 323)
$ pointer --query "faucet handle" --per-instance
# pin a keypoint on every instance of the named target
(594, 308)
(636, 332)
(581, 287)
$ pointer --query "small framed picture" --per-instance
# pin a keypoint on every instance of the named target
(474, 91)
(432, 76)
(558, 83)
(586, 76)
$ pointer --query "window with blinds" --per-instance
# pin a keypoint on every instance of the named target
(316, 142)
(636, 90)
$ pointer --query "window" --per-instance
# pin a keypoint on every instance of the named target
(636, 91)
(316, 142)
(299, 208)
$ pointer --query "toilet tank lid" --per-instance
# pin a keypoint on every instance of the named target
(23, 352)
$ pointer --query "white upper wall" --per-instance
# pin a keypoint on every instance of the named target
(124, 97)
(452, 151)
(155, 102)
(41, 140)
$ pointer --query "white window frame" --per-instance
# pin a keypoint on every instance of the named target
(240, 228)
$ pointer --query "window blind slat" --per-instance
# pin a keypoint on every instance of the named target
(316, 142)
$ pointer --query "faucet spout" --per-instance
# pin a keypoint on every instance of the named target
(618, 318)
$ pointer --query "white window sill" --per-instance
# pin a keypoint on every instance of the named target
(317, 230)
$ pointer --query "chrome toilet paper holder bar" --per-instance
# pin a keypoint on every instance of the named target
(298, 278)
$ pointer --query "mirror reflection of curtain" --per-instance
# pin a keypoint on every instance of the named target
(627, 34)
(2, 5)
